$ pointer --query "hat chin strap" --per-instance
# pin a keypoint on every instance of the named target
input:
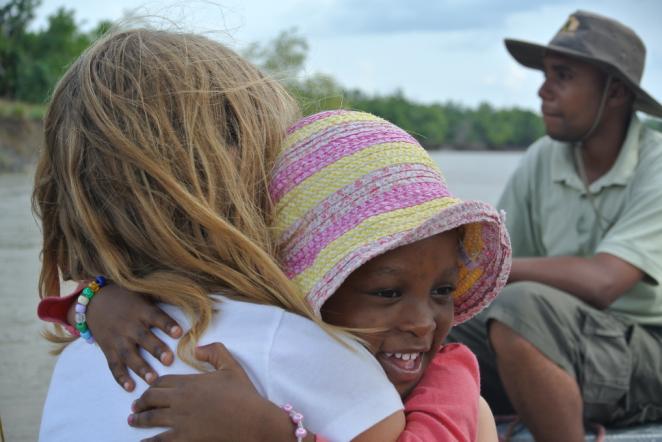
(579, 163)
(601, 109)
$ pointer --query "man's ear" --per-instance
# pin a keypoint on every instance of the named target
(619, 94)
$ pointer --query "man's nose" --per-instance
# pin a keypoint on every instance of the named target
(544, 91)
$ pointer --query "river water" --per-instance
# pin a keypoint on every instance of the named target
(25, 364)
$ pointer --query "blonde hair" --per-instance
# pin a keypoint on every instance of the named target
(158, 148)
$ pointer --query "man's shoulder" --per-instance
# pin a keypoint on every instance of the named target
(650, 143)
(543, 147)
(649, 157)
(651, 134)
(539, 156)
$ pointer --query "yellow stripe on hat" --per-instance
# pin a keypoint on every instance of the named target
(369, 232)
(473, 244)
(319, 125)
(308, 193)
(466, 279)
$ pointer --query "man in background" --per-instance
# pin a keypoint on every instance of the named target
(576, 335)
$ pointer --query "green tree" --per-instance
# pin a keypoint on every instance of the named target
(427, 123)
(15, 15)
(655, 123)
(283, 57)
(49, 54)
(318, 92)
(32, 62)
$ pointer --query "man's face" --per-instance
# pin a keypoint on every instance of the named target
(408, 293)
(570, 96)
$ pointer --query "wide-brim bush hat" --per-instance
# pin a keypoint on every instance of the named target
(349, 186)
(604, 42)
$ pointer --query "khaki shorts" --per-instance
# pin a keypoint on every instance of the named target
(617, 364)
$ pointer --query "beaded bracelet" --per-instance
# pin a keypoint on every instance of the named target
(81, 307)
(297, 419)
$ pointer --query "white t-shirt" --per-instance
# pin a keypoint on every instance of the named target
(341, 392)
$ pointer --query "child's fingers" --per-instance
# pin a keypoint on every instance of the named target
(153, 345)
(217, 355)
(157, 417)
(161, 320)
(221, 358)
(153, 398)
(130, 357)
(120, 372)
(170, 380)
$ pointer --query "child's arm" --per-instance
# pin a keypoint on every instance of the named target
(189, 405)
(444, 404)
(487, 431)
(223, 405)
(443, 407)
(121, 323)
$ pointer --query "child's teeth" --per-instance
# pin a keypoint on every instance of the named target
(403, 356)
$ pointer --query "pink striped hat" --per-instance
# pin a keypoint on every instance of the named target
(349, 186)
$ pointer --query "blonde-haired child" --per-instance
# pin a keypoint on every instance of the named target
(155, 173)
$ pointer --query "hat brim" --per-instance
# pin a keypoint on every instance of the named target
(531, 55)
(482, 276)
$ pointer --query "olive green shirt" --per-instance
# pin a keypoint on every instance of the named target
(548, 212)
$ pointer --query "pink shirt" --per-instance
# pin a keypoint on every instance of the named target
(443, 407)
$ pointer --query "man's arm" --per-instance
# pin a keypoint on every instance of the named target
(598, 280)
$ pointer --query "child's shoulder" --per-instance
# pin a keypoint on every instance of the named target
(456, 356)
(456, 351)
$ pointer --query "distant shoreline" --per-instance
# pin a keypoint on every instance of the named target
(21, 135)
(23, 160)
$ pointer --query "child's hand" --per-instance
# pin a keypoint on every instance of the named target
(120, 322)
(219, 406)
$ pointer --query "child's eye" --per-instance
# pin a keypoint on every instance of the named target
(444, 290)
(386, 293)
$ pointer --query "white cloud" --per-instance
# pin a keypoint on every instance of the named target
(436, 50)
(397, 16)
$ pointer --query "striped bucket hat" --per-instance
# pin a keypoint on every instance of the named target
(349, 186)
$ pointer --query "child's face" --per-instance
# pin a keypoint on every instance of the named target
(408, 292)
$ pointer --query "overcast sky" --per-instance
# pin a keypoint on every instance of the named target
(433, 50)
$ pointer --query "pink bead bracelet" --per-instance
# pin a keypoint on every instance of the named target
(297, 420)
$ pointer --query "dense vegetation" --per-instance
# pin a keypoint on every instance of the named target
(435, 125)
(32, 61)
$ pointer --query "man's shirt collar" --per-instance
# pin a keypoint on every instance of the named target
(564, 170)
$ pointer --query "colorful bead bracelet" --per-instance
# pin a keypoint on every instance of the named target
(81, 307)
